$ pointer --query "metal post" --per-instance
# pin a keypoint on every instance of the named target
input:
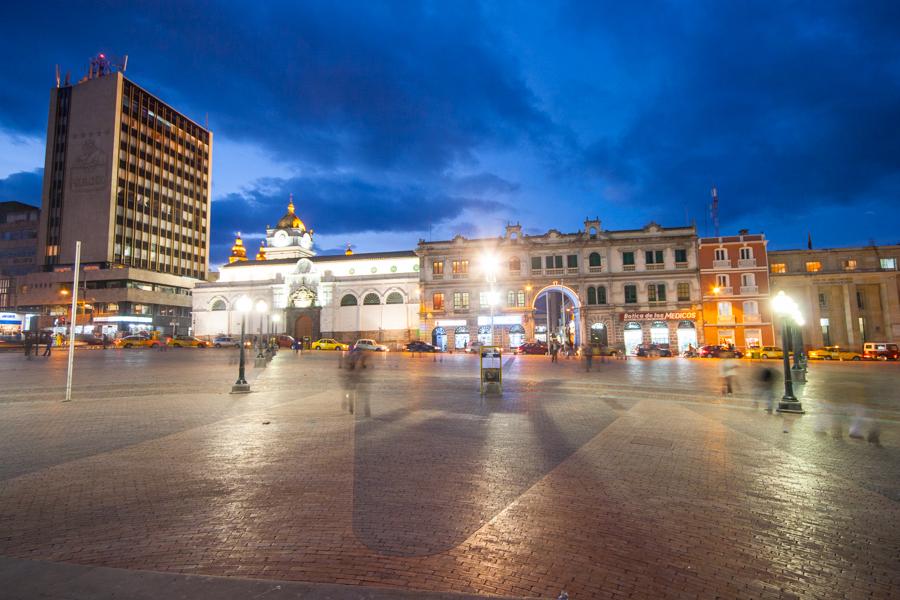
(72, 323)
(788, 402)
(798, 370)
(241, 384)
(259, 353)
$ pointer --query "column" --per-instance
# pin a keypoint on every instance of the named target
(848, 312)
(888, 333)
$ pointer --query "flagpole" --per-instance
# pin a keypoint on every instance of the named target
(72, 322)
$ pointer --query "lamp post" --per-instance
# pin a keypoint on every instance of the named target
(276, 319)
(798, 370)
(243, 305)
(787, 309)
(261, 308)
(489, 266)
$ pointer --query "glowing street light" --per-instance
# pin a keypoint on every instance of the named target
(262, 308)
(243, 306)
(489, 265)
(787, 309)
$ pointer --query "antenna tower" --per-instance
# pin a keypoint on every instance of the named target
(714, 210)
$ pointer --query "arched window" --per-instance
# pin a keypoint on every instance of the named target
(592, 296)
(348, 300)
(601, 295)
(372, 298)
(515, 264)
(394, 298)
(218, 304)
(594, 260)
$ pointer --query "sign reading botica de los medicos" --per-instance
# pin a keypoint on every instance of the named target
(686, 315)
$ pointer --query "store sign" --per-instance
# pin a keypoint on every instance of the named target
(450, 323)
(123, 319)
(685, 315)
(10, 319)
(501, 320)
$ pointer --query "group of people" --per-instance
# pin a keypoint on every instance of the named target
(33, 342)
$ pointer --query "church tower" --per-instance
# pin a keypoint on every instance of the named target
(289, 238)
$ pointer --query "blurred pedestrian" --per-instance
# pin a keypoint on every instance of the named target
(26, 343)
(554, 351)
(588, 352)
(727, 369)
(49, 344)
(355, 400)
(765, 381)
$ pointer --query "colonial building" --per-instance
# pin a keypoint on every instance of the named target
(847, 295)
(347, 297)
(734, 279)
(608, 288)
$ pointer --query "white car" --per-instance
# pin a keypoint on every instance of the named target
(371, 345)
(223, 341)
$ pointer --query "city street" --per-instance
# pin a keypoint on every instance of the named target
(636, 479)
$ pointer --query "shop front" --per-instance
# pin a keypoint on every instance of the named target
(677, 329)
(11, 323)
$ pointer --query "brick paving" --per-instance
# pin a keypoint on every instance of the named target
(635, 480)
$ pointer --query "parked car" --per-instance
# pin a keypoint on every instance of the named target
(187, 341)
(329, 344)
(719, 352)
(833, 353)
(285, 341)
(224, 341)
(653, 350)
(532, 348)
(371, 345)
(138, 341)
(880, 351)
(419, 346)
(767, 352)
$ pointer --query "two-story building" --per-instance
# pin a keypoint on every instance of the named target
(608, 288)
(734, 279)
(848, 296)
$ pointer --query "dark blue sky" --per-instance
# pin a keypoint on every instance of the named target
(391, 121)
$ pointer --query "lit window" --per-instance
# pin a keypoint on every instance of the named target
(889, 264)
(813, 266)
(849, 265)
(779, 268)
(461, 300)
(460, 267)
(684, 291)
(437, 267)
(437, 301)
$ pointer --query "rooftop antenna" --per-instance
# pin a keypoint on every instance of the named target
(124, 63)
(57, 75)
(714, 210)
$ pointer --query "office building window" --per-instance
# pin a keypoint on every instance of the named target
(594, 260)
(535, 263)
(628, 258)
(826, 335)
(601, 295)
(813, 266)
(653, 257)
(849, 265)
(460, 267)
(572, 261)
(889, 264)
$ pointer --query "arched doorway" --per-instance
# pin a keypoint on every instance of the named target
(461, 338)
(687, 335)
(516, 336)
(659, 333)
(557, 310)
(439, 338)
(599, 335)
(634, 336)
(303, 327)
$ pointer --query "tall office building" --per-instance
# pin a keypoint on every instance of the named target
(128, 176)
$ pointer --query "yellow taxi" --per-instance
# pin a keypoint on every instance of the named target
(137, 341)
(187, 341)
(834, 353)
(329, 344)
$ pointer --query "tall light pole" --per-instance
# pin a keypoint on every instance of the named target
(787, 309)
(243, 306)
(489, 266)
(262, 308)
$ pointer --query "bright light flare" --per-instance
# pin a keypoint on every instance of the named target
(261, 306)
(243, 304)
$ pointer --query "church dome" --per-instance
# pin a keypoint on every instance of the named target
(290, 220)
(238, 252)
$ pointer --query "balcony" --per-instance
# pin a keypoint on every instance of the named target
(748, 318)
(628, 267)
(749, 290)
(681, 265)
(598, 269)
(722, 264)
(460, 276)
(725, 320)
(655, 266)
(744, 263)
(436, 276)
(725, 291)
(554, 271)
(572, 270)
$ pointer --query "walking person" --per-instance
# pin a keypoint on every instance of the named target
(27, 345)
(588, 352)
(554, 351)
(49, 342)
(727, 370)
(765, 381)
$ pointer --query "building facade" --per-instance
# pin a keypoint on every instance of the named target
(346, 297)
(848, 296)
(18, 252)
(734, 279)
(129, 177)
(616, 289)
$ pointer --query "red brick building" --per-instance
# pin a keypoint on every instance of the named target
(734, 282)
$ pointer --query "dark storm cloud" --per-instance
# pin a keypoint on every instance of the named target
(342, 205)
(779, 105)
(24, 186)
(381, 84)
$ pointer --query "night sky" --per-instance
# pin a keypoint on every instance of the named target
(394, 121)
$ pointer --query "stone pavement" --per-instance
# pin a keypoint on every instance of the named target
(635, 480)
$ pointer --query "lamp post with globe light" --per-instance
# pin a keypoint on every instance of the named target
(798, 370)
(276, 331)
(243, 306)
(489, 267)
(787, 309)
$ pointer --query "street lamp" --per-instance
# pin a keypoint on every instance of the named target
(261, 308)
(489, 263)
(243, 306)
(785, 307)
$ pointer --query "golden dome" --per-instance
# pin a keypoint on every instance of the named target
(261, 255)
(290, 220)
(238, 252)
(348, 251)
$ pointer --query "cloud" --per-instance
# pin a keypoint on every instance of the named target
(24, 186)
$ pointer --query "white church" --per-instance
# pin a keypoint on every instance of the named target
(346, 297)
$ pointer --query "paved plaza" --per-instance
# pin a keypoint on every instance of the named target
(635, 480)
